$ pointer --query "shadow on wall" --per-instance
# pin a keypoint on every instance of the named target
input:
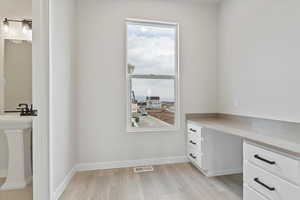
(3, 154)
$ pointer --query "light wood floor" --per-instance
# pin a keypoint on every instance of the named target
(24, 194)
(167, 182)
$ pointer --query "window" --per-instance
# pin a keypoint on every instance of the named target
(152, 76)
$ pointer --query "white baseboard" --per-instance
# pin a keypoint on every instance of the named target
(61, 188)
(130, 163)
(3, 173)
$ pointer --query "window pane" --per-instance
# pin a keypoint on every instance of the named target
(152, 103)
(151, 49)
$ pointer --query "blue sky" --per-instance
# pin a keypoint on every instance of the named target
(152, 51)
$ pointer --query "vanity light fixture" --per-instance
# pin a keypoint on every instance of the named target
(5, 25)
(26, 24)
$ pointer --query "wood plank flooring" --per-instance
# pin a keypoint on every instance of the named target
(23, 194)
(167, 182)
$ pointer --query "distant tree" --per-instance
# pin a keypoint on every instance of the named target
(131, 68)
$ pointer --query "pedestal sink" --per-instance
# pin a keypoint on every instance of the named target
(18, 132)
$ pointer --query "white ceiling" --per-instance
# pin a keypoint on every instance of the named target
(16, 8)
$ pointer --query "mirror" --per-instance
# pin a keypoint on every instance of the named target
(17, 73)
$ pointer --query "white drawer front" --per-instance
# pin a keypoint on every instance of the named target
(250, 194)
(269, 185)
(195, 156)
(194, 128)
(194, 141)
(278, 164)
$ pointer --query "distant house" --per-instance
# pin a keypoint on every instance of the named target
(153, 102)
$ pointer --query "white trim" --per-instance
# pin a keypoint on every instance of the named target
(53, 191)
(63, 185)
(176, 78)
(130, 163)
(151, 76)
(166, 130)
(147, 21)
(3, 173)
(40, 91)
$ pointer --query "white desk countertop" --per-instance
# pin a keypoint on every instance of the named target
(283, 138)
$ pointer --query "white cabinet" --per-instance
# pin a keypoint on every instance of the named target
(194, 145)
(271, 174)
(251, 194)
(213, 152)
(281, 165)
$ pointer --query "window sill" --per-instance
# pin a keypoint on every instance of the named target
(152, 131)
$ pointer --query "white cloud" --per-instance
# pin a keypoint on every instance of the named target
(152, 51)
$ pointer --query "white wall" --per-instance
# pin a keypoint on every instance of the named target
(258, 69)
(62, 95)
(16, 8)
(101, 90)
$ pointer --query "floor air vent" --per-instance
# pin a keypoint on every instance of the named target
(143, 169)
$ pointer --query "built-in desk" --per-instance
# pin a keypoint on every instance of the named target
(279, 134)
(266, 151)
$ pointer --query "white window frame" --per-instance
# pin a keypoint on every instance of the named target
(175, 77)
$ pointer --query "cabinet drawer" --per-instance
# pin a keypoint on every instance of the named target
(194, 141)
(191, 128)
(283, 166)
(195, 156)
(250, 194)
(269, 185)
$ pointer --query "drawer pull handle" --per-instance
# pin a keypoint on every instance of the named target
(193, 130)
(264, 185)
(194, 143)
(264, 160)
(193, 156)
